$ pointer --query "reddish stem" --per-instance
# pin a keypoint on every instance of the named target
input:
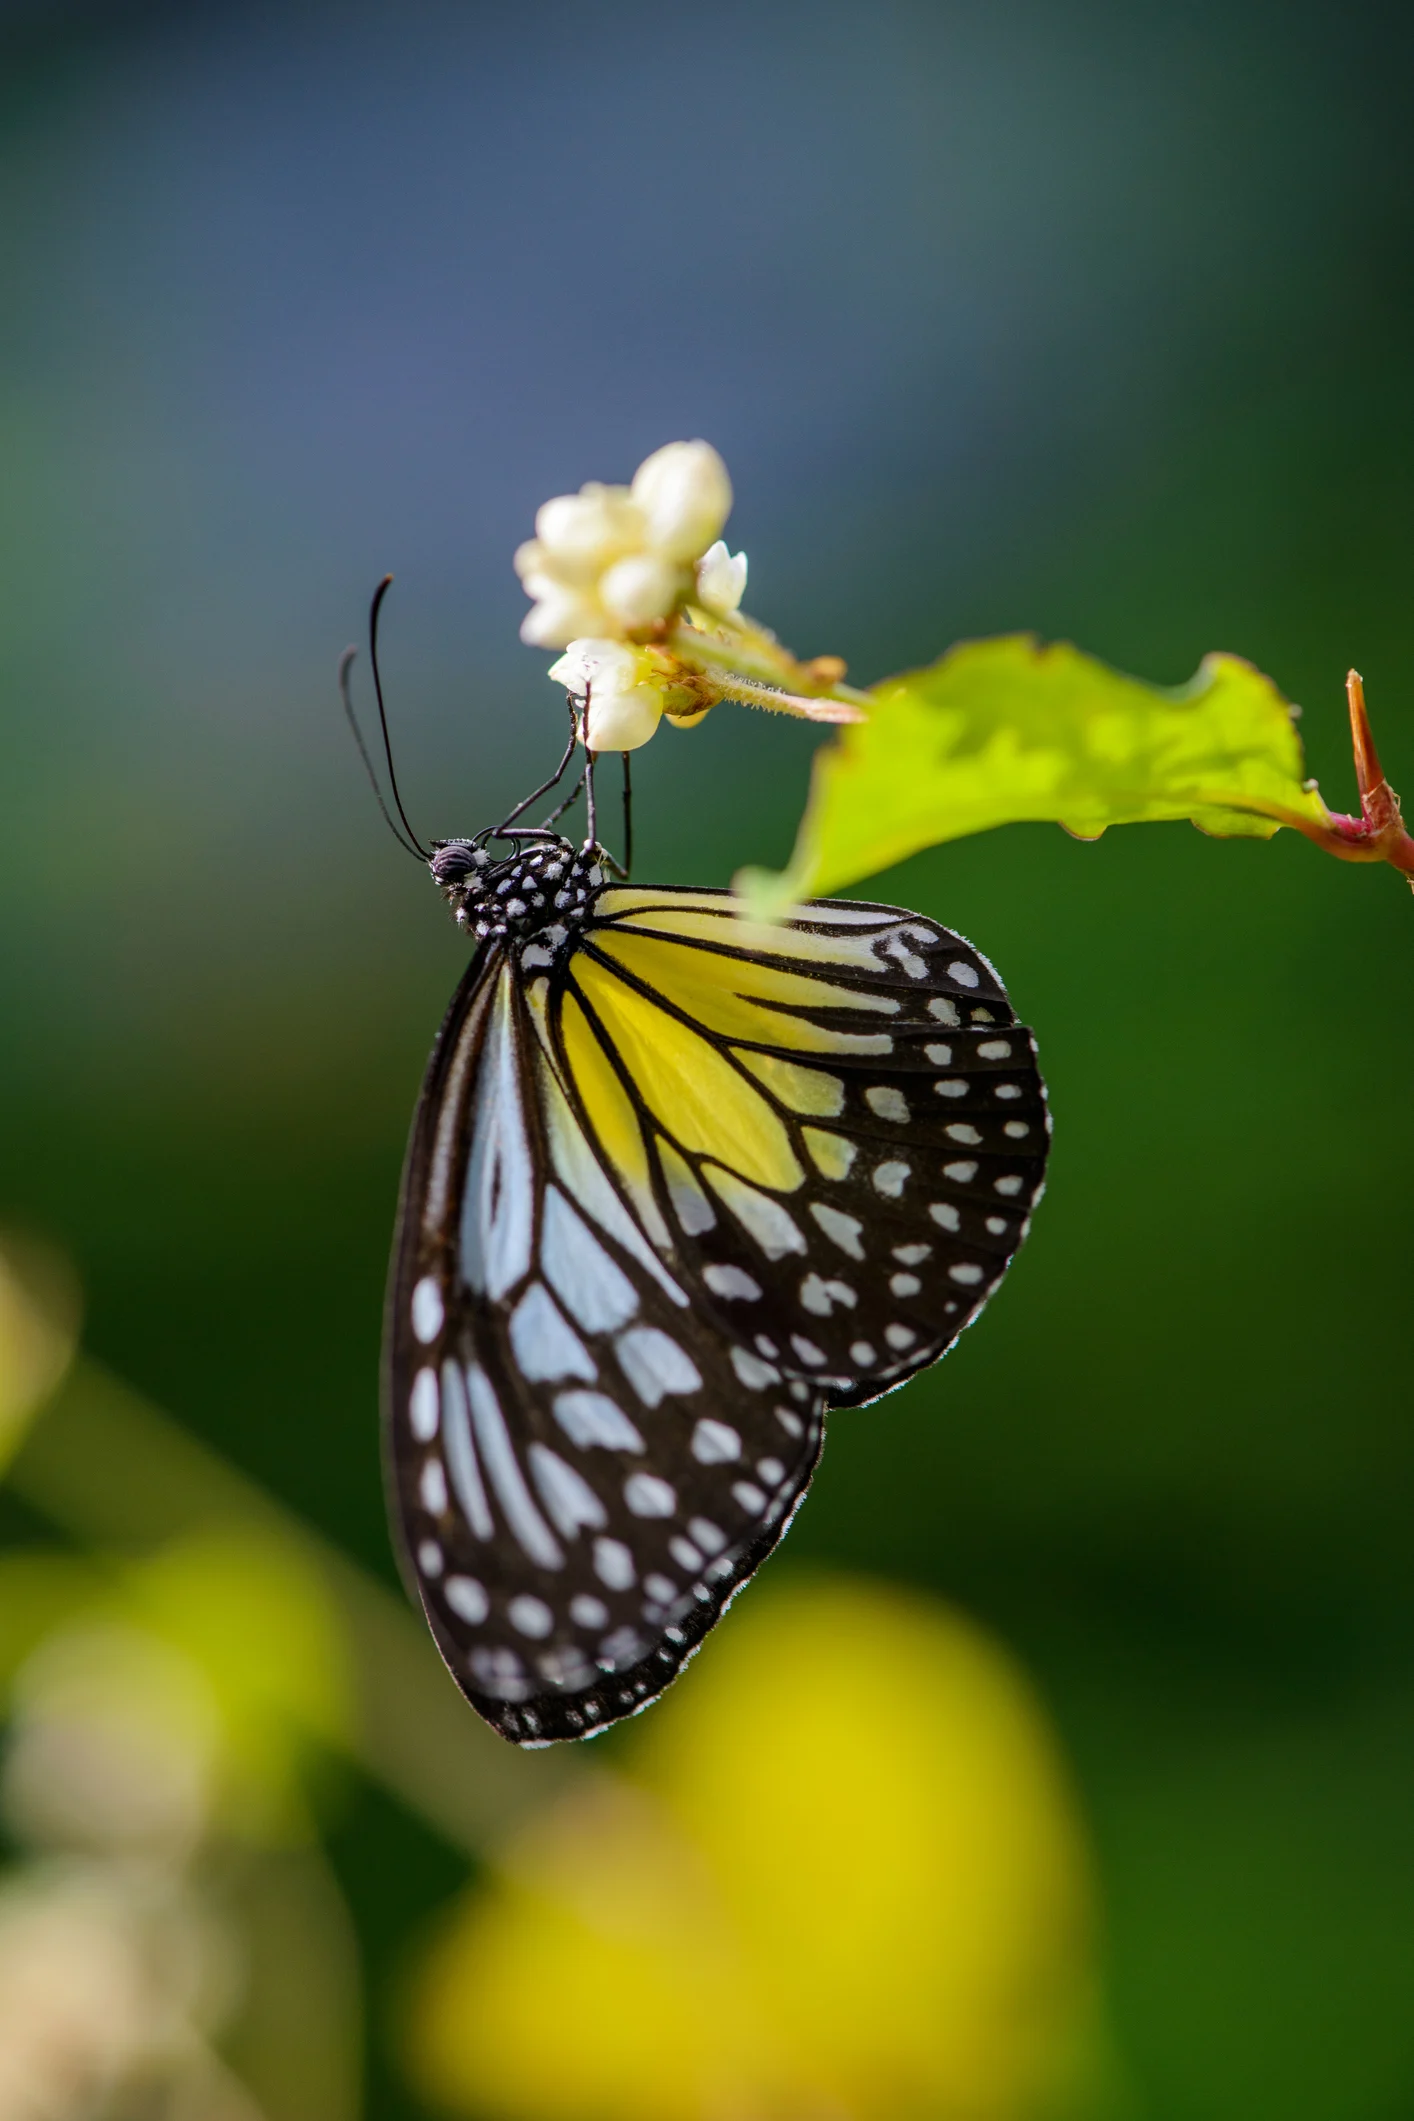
(1378, 834)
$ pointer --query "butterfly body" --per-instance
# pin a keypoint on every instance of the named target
(678, 1183)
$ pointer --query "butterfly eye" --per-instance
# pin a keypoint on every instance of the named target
(455, 861)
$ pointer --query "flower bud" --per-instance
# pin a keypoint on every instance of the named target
(640, 589)
(623, 702)
(580, 534)
(558, 615)
(721, 578)
(686, 496)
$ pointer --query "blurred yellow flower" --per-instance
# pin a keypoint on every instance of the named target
(842, 1880)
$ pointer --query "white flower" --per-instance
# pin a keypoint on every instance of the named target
(721, 578)
(684, 491)
(623, 704)
(641, 588)
(614, 560)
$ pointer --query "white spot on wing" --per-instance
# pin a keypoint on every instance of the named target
(531, 1616)
(565, 1493)
(467, 1598)
(655, 1365)
(429, 1558)
(432, 1487)
(807, 1351)
(707, 1535)
(754, 1373)
(427, 1311)
(1017, 1129)
(461, 1453)
(888, 1103)
(965, 975)
(424, 1406)
(592, 1288)
(590, 1418)
(545, 1346)
(912, 1255)
(762, 1218)
(995, 1049)
(648, 1496)
(944, 1213)
(900, 1337)
(731, 1281)
(950, 1086)
(587, 1611)
(890, 1179)
(842, 1229)
(714, 1444)
(528, 1527)
(941, 1056)
(1007, 1186)
(968, 1275)
(960, 1132)
(962, 1174)
(749, 1496)
(861, 1352)
(945, 1009)
(904, 1284)
(613, 1564)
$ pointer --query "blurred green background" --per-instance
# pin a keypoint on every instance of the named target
(1084, 317)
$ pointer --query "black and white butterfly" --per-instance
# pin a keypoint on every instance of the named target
(679, 1181)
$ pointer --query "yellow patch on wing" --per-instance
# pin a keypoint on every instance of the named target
(770, 938)
(799, 1089)
(732, 995)
(831, 1154)
(698, 1096)
(610, 1112)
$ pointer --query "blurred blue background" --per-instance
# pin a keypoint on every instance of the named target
(1085, 317)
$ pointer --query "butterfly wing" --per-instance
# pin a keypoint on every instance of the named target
(672, 1190)
(835, 1124)
(580, 1475)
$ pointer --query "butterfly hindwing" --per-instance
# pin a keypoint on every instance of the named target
(584, 1468)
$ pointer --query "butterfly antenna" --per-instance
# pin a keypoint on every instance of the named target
(377, 605)
(346, 663)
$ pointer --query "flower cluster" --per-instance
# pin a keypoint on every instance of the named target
(635, 584)
(610, 561)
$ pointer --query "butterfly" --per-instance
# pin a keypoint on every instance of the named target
(679, 1181)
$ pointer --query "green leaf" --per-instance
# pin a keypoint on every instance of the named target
(1006, 730)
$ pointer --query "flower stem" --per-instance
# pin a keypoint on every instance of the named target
(1378, 834)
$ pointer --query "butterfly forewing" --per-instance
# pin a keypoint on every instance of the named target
(678, 1182)
(585, 1468)
(844, 1119)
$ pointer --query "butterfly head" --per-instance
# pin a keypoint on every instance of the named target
(545, 884)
